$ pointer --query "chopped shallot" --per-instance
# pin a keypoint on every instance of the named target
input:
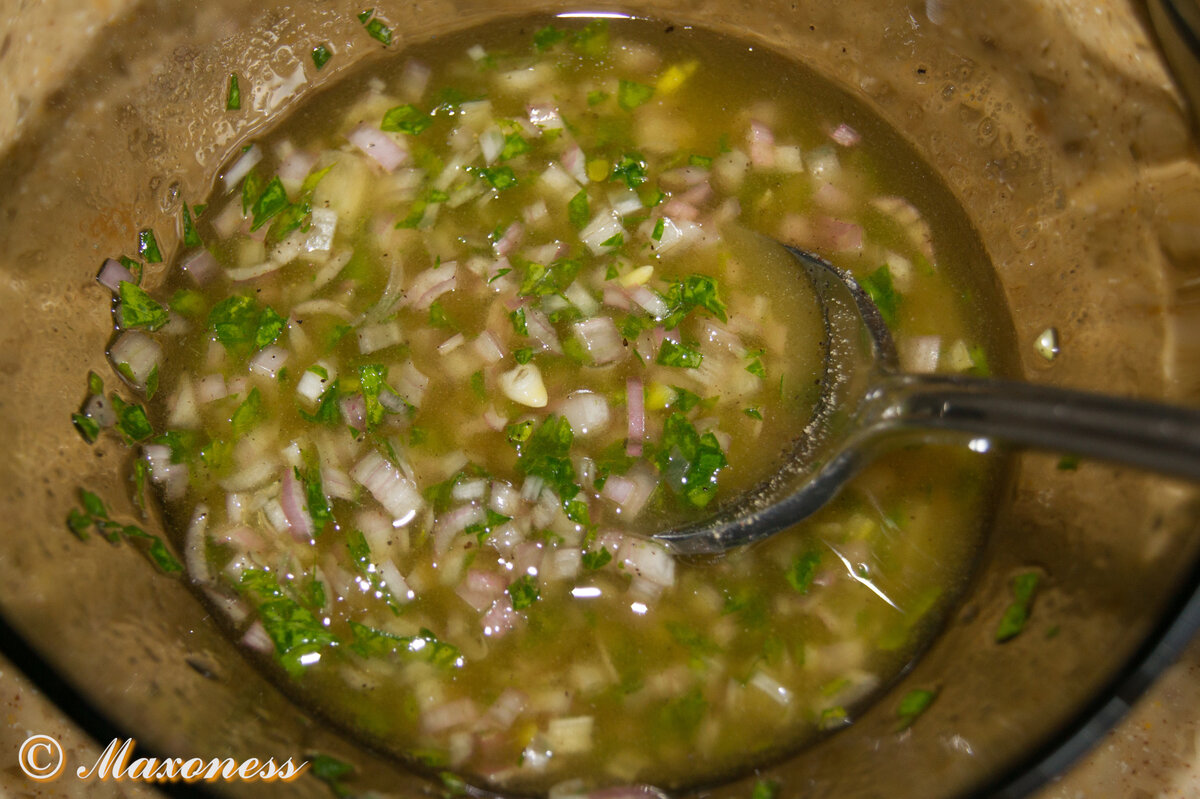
(395, 492)
(378, 145)
(112, 274)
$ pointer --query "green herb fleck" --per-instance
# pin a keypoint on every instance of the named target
(519, 432)
(233, 99)
(694, 291)
(514, 145)
(330, 771)
(321, 55)
(498, 177)
(424, 646)
(406, 118)
(592, 41)
(913, 704)
(248, 414)
(373, 379)
(190, 237)
(689, 462)
(1024, 588)
(544, 453)
(148, 247)
(547, 37)
(520, 326)
(481, 530)
(631, 169)
(376, 28)
(596, 559)
(139, 309)
(87, 427)
(523, 592)
(631, 94)
(660, 227)
(132, 422)
(672, 354)
(94, 515)
(523, 355)
(270, 202)
(765, 789)
(270, 325)
(1068, 463)
(477, 385)
(685, 400)
(803, 569)
(882, 291)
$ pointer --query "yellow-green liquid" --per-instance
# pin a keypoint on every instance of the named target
(743, 657)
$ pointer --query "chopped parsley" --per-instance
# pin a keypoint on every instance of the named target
(803, 569)
(660, 227)
(406, 118)
(672, 354)
(132, 422)
(477, 385)
(685, 400)
(190, 237)
(631, 94)
(330, 770)
(328, 412)
(270, 202)
(694, 291)
(882, 291)
(498, 177)
(592, 41)
(481, 530)
(148, 247)
(373, 379)
(321, 55)
(547, 37)
(912, 705)
(376, 28)
(514, 145)
(248, 414)
(292, 628)
(755, 367)
(233, 99)
(523, 592)
(689, 462)
(1024, 587)
(240, 323)
(765, 789)
(543, 452)
(139, 309)
(424, 646)
(596, 559)
(314, 493)
(520, 326)
(93, 515)
(631, 169)
(87, 427)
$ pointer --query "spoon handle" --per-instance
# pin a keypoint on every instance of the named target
(1157, 437)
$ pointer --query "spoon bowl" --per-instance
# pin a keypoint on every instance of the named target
(866, 406)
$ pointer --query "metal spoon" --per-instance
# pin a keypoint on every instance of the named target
(867, 407)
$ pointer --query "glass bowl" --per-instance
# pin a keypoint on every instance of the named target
(1058, 129)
